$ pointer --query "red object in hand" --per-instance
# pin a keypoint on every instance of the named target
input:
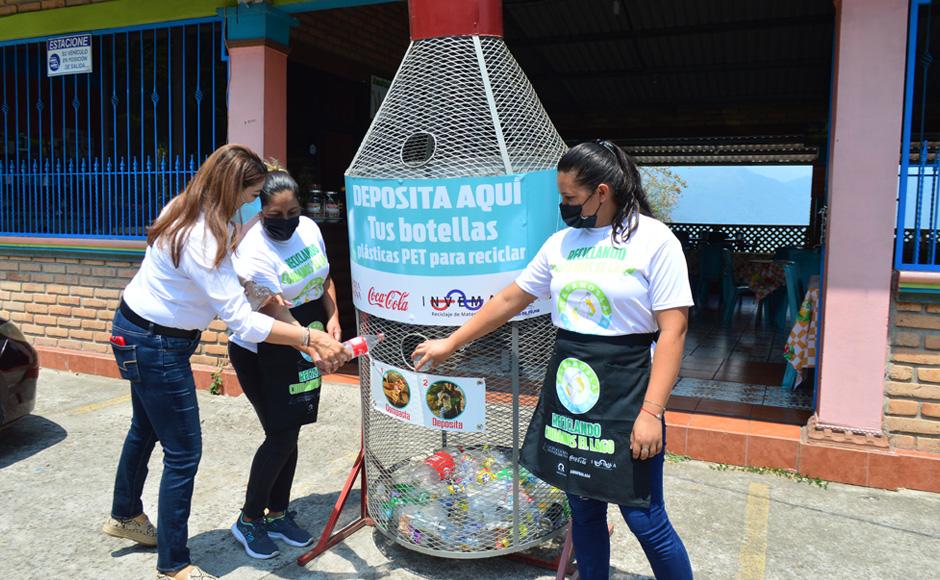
(118, 340)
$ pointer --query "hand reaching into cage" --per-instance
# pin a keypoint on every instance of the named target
(509, 302)
(434, 352)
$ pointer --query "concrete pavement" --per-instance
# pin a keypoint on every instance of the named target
(57, 469)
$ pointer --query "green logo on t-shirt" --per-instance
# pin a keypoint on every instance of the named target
(583, 305)
(577, 386)
(303, 264)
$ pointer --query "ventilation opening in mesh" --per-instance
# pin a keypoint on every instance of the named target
(418, 149)
(408, 345)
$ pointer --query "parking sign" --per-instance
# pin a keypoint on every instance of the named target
(68, 55)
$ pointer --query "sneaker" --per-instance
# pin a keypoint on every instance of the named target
(286, 529)
(141, 532)
(195, 573)
(253, 536)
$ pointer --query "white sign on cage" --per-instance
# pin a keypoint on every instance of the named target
(446, 403)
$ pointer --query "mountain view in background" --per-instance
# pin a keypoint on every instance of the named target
(744, 195)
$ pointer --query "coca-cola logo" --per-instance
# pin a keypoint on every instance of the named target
(391, 300)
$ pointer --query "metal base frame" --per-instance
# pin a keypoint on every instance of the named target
(329, 538)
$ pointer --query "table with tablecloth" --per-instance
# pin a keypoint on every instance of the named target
(762, 276)
(800, 350)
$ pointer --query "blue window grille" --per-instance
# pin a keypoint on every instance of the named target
(99, 154)
(919, 183)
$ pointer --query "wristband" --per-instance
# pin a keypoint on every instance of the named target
(306, 343)
(648, 412)
(652, 403)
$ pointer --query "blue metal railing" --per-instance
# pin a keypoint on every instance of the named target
(99, 154)
(919, 183)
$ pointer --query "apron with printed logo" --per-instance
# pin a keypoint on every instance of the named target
(579, 437)
(291, 380)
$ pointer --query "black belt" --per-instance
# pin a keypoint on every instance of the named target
(155, 328)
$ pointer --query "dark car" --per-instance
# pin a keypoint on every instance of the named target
(19, 370)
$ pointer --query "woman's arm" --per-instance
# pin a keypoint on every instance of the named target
(332, 310)
(647, 437)
(510, 301)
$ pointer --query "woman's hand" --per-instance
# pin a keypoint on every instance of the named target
(332, 355)
(646, 440)
(334, 330)
(434, 352)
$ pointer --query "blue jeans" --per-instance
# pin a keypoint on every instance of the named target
(163, 396)
(651, 526)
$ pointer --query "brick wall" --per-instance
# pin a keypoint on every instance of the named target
(68, 303)
(8, 7)
(912, 386)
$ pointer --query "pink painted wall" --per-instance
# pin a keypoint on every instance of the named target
(863, 177)
(258, 100)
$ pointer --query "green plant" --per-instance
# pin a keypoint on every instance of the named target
(784, 473)
(663, 187)
(215, 387)
(676, 458)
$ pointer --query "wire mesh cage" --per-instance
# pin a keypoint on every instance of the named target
(460, 107)
(462, 495)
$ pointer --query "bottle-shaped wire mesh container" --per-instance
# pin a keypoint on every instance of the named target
(451, 194)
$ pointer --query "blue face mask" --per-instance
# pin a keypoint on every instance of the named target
(247, 211)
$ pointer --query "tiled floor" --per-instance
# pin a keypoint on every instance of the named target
(767, 395)
(740, 363)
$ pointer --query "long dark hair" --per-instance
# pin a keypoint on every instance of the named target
(276, 181)
(597, 162)
(215, 192)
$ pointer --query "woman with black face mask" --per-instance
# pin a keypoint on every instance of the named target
(283, 254)
(620, 296)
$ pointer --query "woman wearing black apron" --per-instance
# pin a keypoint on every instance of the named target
(284, 254)
(618, 283)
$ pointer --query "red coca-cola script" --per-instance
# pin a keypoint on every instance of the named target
(391, 300)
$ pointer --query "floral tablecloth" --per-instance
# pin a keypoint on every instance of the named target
(800, 350)
(761, 276)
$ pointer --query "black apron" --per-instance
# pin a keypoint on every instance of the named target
(579, 437)
(291, 386)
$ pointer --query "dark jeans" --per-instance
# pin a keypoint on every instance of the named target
(660, 542)
(163, 396)
(272, 470)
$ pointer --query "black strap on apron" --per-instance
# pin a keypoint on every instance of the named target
(291, 383)
(579, 437)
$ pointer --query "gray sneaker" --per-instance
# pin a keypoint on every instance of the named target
(286, 529)
(253, 536)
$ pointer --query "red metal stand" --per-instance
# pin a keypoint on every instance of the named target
(562, 565)
(328, 538)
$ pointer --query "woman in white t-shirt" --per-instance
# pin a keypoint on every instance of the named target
(185, 280)
(618, 283)
(284, 254)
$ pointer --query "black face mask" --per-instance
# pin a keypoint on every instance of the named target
(571, 215)
(280, 229)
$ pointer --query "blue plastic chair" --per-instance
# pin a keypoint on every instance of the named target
(731, 292)
(810, 264)
(711, 266)
(792, 271)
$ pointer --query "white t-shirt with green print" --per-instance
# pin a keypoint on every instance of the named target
(296, 268)
(601, 288)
